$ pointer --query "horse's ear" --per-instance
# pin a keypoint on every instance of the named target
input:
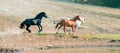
(43, 12)
(77, 15)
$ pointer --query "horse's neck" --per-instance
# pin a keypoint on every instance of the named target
(74, 20)
(38, 17)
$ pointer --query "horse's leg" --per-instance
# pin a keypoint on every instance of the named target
(59, 28)
(56, 25)
(64, 29)
(73, 29)
(40, 28)
(27, 28)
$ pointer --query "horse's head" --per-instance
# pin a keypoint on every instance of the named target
(77, 18)
(40, 15)
(44, 14)
(81, 19)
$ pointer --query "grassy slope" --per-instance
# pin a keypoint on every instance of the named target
(97, 19)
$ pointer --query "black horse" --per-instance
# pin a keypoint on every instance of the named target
(34, 21)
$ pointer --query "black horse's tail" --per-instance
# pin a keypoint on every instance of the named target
(22, 26)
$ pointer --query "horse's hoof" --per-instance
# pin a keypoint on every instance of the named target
(39, 30)
(57, 32)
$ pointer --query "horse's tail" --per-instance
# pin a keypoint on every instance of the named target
(56, 21)
(59, 23)
(22, 26)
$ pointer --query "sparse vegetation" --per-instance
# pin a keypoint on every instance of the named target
(100, 36)
(86, 36)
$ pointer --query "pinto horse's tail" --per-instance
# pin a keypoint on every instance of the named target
(61, 22)
(22, 26)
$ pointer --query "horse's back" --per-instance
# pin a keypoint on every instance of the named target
(32, 21)
(68, 23)
(27, 21)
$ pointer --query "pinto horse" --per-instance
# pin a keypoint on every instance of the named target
(68, 23)
(77, 23)
(33, 21)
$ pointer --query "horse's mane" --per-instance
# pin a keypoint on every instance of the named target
(39, 15)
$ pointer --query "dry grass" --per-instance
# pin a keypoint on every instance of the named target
(100, 36)
(88, 37)
(27, 40)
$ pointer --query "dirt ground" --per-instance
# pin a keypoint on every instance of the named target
(27, 41)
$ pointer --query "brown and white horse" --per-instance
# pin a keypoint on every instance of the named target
(68, 22)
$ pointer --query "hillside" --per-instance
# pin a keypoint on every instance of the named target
(97, 19)
(101, 27)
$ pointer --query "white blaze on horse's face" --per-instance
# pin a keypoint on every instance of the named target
(77, 23)
(82, 20)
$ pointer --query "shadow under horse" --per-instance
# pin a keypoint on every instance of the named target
(33, 21)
